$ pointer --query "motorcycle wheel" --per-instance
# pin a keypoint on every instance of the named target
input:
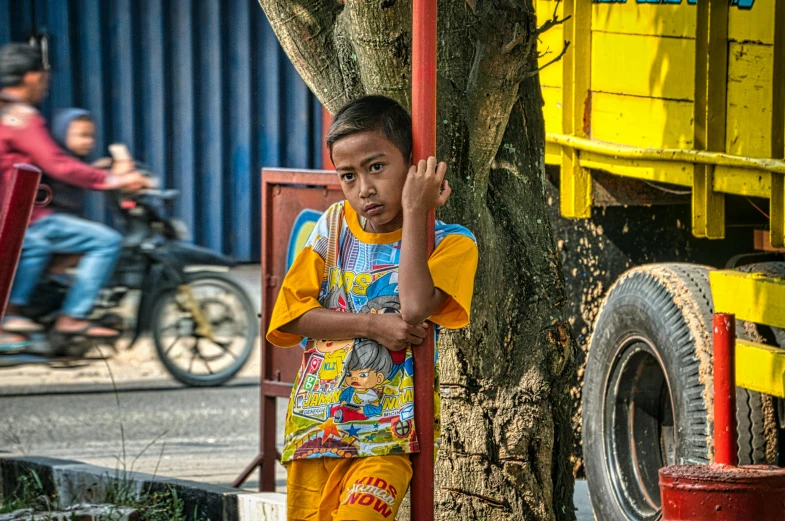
(198, 358)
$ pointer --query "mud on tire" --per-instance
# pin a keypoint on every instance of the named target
(647, 395)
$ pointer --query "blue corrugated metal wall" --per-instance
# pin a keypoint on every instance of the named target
(200, 90)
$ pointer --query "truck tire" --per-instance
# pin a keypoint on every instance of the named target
(648, 391)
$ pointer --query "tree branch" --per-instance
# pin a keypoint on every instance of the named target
(554, 20)
(551, 62)
(305, 29)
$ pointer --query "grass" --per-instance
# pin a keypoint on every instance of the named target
(121, 491)
(29, 493)
(164, 505)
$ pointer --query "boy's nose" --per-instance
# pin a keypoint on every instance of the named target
(366, 189)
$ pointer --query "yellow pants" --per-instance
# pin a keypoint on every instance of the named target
(352, 489)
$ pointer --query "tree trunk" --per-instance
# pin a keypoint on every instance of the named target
(506, 431)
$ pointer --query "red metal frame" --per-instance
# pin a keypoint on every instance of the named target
(283, 192)
(725, 445)
(18, 199)
(424, 145)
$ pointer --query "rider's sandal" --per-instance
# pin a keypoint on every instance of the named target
(62, 340)
(19, 324)
(85, 332)
(10, 342)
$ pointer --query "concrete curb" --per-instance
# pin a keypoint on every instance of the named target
(76, 482)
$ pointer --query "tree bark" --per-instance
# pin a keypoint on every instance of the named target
(506, 430)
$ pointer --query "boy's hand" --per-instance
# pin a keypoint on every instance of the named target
(425, 187)
(396, 335)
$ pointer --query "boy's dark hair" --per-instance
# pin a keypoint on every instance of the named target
(369, 354)
(373, 113)
(16, 60)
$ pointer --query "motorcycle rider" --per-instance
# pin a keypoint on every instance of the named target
(24, 83)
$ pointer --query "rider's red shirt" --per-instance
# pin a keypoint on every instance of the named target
(24, 138)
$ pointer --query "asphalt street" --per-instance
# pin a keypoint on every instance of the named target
(206, 435)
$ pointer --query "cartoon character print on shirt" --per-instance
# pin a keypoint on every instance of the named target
(322, 370)
(376, 380)
(356, 386)
(368, 366)
(383, 295)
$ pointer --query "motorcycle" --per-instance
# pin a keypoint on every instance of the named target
(203, 323)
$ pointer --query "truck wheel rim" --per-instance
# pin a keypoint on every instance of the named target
(639, 428)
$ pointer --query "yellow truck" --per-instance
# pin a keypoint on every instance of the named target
(686, 99)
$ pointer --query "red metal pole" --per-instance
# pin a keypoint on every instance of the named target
(18, 198)
(725, 449)
(424, 145)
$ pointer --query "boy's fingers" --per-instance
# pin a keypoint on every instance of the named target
(441, 170)
(446, 191)
(431, 164)
(422, 166)
(415, 340)
(418, 331)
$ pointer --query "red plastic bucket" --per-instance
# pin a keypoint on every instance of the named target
(722, 493)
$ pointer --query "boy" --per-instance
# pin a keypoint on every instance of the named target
(74, 130)
(364, 275)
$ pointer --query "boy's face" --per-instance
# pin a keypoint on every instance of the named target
(364, 378)
(80, 137)
(372, 172)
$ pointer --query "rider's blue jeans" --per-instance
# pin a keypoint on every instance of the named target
(60, 233)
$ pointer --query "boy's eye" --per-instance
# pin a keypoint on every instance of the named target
(347, 177)
(363, 375)
(377, 167)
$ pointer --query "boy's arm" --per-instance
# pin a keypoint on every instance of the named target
(389, 330)
(422, 192)
(326, 324)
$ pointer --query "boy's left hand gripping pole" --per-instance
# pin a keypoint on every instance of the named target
(18, 198)
(424, 145)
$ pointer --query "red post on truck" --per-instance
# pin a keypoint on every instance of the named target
(725, 445)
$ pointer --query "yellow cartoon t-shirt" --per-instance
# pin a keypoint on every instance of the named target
(354, 397)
